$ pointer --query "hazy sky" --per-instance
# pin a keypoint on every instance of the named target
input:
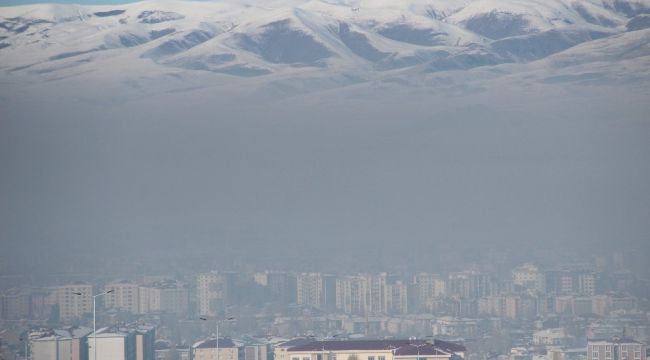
(107, 152)
(324, 175)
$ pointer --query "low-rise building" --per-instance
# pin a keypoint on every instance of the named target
(616, 348)
(59, 344)
(215, 349)
(376, 350)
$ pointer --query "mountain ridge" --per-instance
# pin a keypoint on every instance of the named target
(292, 39)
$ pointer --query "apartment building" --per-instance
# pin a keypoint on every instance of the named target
(124, 295)
(60, 344)
(616, 348)
(165, 296)
(74, 300)
(213, 292)
(112, 344)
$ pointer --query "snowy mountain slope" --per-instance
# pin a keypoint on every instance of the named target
(299, 45)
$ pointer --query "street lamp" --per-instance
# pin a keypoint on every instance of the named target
(94, 319)
(229, 319)
(418, 346)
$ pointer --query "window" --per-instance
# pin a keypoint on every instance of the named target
(422, 358)
(371, 358)
(608, 354)
(306, 358)
(381, 357)
(295, 358)
(595, 354)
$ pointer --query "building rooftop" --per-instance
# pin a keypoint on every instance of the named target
(74, 332)
(400, 347)
(295, 342)
(212, 343)
(616, 339)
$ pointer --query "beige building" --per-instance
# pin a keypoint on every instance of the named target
(15, 304)
(124, 295)
(213, 289)
(167, 296)
(74, 300)
(210, 349)
(615, 349)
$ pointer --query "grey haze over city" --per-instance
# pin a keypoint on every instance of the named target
(325, 177)
(313, 131)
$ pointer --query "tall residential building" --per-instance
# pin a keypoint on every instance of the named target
(530, 277)
(165, 296)
(616, 348)
(74, 300)
(282, 286)
(352, 294)
(586, 283)
(209, 349)
(378, 292)
(15, 304)
(567, 280)
(310, 290)
(397, 298)
(213, 292)
(124, 295)
(60, 344)
(468, 284)
(427, 286)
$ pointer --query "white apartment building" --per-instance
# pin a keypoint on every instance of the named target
(59, 344)
(112, 344)
(616, 348)
(551, 337)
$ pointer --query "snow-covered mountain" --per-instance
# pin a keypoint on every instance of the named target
(307, 44)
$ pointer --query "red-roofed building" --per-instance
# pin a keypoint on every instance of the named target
(376, 350)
